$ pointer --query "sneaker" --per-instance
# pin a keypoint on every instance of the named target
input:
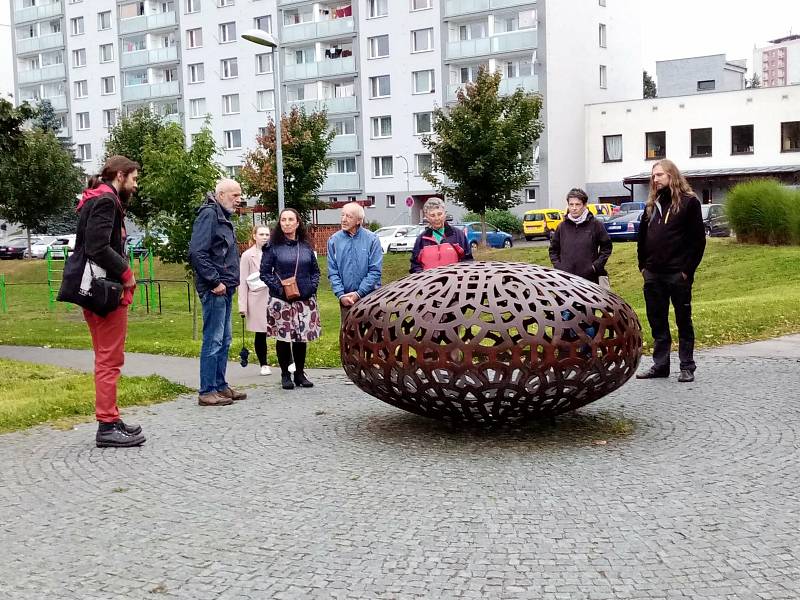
(286, 381)
(686, 376)
(653, 373)
(231, 393)
(265, 370)
(117, 437)
(300, 380)
(213, 399)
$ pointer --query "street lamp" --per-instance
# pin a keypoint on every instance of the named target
(263, 38)
(408, 189)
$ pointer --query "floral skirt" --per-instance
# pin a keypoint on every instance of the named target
(293, 321)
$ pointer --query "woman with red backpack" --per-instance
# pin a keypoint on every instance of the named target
(440, 243)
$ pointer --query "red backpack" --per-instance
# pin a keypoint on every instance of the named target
(438, 255)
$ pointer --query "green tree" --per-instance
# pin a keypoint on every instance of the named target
(306, 140)
(754, 82)
(12, 120)
(46, 118)
(649, 89)
(483, 145)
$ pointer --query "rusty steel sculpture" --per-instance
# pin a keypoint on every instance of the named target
(486, 343)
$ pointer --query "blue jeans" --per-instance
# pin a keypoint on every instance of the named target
(217, 338)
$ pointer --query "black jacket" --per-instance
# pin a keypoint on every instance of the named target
(213, 252)
(582, 249)
(100, 231)
(278, 262)
(452, 235)
(672, 241)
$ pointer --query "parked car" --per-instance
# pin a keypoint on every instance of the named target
(138, 245)
(599, 209)
(494, 237)
(39, 249)
(624, 227)
(715, 220)
(406, 241)
(627, 207)
(388, 235)
(60, 244)
(541, 222)
(14, 248)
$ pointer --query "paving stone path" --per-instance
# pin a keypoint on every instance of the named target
(327, 493)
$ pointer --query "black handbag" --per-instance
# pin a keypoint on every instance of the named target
(98, 295)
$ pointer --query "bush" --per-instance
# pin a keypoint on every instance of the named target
(502, 219)
(373, 226)
(764, 212)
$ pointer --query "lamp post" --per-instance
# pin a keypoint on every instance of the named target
(263, 38)
(408, 188)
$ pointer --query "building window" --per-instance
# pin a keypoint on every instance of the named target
(76, 25)
(370, 200)
(790, 136)
(104, 20)
(82, 120)
(379, 46)
(382, 166)
(423, 123)
(197, 73)
(107, 85)
(603, 77)
(378, 8)
(192, 6)
(223, 3)
(265, 100)
(106, 53)
(233, 171)
(423, 82)
(345, 126)
(194, 38)
(390, 201)
(81, 88)
(422, 40)
(79, 57)
(197, 108)
(601, 2)
(344, 165)
(381, 127)
(423, 163)
(263, 23)
(110, 118)
(706, 85)
(229, 68)
(230, 104)
(262, 131)
(701, 142)
(85, 152)
(656, 145)
(233, 139)
(421, 4)
(263, 63)
(602, 34)
(379, 86)
(530, 194)
(227, 32)
(612, 148)
(742, 139)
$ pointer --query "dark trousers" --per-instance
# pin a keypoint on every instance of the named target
(260, 344)
(659, 290)
(289, 352)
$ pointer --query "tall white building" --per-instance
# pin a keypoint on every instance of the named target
(379, 67)
(779, 63)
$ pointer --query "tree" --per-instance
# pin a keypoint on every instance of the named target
(46, 118)
(12, 120)
(37, 181)
(305, 143)
(484, 146)
(649, 89)
(754, 82)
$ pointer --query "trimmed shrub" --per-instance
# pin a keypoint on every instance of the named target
(502, 219)
(764, 212)
(373, 226)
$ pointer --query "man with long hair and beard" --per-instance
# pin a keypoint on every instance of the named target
(671, 244)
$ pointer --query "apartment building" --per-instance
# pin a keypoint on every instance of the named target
(379, 67)
(778, 63)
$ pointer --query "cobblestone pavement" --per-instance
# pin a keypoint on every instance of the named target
(327, 493)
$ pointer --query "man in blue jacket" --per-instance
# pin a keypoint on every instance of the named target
(355, 259)
(214, 256)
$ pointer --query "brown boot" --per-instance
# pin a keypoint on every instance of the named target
(213, 399)
(231, 393)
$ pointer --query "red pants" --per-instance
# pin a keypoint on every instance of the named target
(108, 341)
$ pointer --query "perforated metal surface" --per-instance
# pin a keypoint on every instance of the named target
(490, 342)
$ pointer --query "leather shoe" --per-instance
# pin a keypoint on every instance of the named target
(686, 376)
(130, 429)
(117, 437)
(231, 393)
(213, 399)
(286, 381)
(652, 373)
(300, 380)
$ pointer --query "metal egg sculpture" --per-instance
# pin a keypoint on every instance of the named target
(486, 343)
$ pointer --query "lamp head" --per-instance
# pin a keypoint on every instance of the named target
(260, 37)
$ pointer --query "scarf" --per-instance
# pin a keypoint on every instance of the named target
(578, 220)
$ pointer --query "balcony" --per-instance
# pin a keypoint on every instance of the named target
(59, 102)
(348, 104)
(317, 29)
(524, 39)
(341, 182)
(147, 22)
(36, 13)
(148, 57)
(508, 85)
(324, 68)
(173, 118)
(453, 8)
(344, 143)
(42, 74)
(290, 2)
(43, 42)
(152, 90)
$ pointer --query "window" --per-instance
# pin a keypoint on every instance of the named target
(378, 8)
(230, 104)
(422, 163)
(82, 120)
(76, 25)
(104, 20)
(131, 9)
(233, 171)
(106, 53)
(262, 131)
(707, 85)
(194, 38)
(422, 40)
(196, 73)
(742, 139)
(790, 136)
(423, 123)
(229, 68)
(79, 57)
(223, 3)
(602, 33)
(265, 100)
(109, 118)
(516, 21)
(370, 200)
(612, 148)
(263, 63)
(701, 142)
(107, 85)
(381, 166)
(379, 86)
(344, 126)
(390, 201)
(421, 4)
(192, 6)
(81, 89)
(473, 31)
(85, 152)
(601, 2)
(656, 144)
(344, 165)
(522, 67)
(263, 23)
(197, 108)
(233, 139)
(530, 194)
(227, 32)
(381, 127)
(423, 82)
(379, 46)
(603, 77)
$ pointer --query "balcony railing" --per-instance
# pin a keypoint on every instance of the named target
(289, 2)
(344, 143)
(147, 22)
(42, 74)
(43, 42)
(341, 182)
(325, 68)
(35, 13)
(347, 104)
(508, 85)
(59, 102)
(317, 29)
(453, 8)
(524, 39)
(148, 57)
(152, 90)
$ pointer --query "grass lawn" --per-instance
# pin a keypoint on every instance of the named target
(741, 293)
(33, 394)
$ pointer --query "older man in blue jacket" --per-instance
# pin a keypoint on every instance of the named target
(355, 259)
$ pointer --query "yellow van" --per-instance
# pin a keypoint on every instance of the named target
(599, 209)
(541, 222)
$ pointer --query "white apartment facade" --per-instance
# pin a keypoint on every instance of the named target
(779, 63)
(379, 67)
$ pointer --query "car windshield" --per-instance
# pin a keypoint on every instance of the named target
(16, 242)
(534, 217)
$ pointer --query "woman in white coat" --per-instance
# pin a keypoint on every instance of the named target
(254, 294)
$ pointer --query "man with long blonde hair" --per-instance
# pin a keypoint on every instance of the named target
(671, 245)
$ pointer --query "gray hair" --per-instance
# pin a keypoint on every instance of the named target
(433, 204)
(223, 185)
(359, 210)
